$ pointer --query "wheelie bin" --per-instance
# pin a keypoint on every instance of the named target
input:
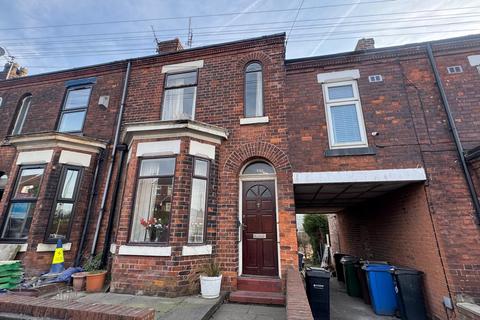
(338, 266)
(362, 278)
(318, 292)
(381, 288)
(409, 289)
(351, 279)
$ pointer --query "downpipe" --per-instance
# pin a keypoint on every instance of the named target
(112, 162)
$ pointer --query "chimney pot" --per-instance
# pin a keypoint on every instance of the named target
(365, 44)
(169, 46)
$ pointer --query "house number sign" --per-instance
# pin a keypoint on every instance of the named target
(259, 236)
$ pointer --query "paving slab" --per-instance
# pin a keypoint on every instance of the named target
(235, 311)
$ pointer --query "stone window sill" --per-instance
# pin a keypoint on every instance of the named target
(23, 246)
(149, 251)
(471, 308)
(197, 250)
(50, 247)
(253, 120)
(362, 151)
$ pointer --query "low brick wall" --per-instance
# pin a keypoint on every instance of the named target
(58, 309)
(297, 301)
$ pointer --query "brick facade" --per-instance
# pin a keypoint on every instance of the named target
(429, 226)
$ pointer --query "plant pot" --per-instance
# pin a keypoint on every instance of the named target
(79, 280)
(95, 281)
(210, 286)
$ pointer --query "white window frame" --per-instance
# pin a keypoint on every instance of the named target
(339, 102)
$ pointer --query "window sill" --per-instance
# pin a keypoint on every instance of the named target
(197, 250)
(23, 246)
(362, 151)
(150, 251)
(473, 309)
(253, 120)
(50, 247)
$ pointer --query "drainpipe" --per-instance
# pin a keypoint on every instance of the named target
(106, 245)
(78, 257)
(112, 162)
(453, 129)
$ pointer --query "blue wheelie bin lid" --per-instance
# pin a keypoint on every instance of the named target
(377, 267)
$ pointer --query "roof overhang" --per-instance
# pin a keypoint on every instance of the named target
(173, 129)
(55, 139)
(331, 191)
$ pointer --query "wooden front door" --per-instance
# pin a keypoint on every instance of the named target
(259, 228)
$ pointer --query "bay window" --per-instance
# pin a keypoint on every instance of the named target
(346, 128)
(62, 216)
(198, 201)
(22, 203)
(153, 201)
(179, 96)
(74, 109)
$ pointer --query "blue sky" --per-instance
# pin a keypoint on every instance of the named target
(58, 34)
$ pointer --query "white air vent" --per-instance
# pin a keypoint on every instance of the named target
(455, 69)
(375, 78)
(103, 101)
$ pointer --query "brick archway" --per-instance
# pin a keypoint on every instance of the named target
(248, 151)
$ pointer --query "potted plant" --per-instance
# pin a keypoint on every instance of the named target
(211, 281)
(95, 276)
(79, 280)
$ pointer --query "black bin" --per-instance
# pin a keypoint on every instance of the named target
(409, 289)
(300, 261)
(338, 266)
(318, 292)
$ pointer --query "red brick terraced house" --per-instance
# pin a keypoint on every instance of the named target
(168, 162)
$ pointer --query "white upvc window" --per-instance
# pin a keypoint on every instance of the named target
(346, 127)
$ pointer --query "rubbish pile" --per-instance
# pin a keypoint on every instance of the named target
(11, 274)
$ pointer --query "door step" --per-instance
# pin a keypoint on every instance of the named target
(258, 297)
(259, 284)
(259, 290)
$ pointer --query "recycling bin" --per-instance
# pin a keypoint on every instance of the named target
(362, 278)
(351, 280)
(318, 292)
(338, 266)
(381, 288)
(409, 289)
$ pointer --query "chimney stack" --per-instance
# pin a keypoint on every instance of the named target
(169, 46)
(12, 70)
(365, 44)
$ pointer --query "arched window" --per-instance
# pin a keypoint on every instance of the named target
(258, 167)
(253, 90)
(3, 183)
(22, 115)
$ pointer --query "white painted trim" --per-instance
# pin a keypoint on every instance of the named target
(157, 148)
(50, 247)
(202, 149)
(174, 128)
(184, 66)
(253, 120)
(196, 250)
(474, 60)
(470, 307)
(338, 76)
(264, 177)
(56, 139)
(34, 157)
(23, 246)
(387, 175)
(75, 158)
(150, 251)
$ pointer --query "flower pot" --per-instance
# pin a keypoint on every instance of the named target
(210, 286)
(95, 281)
(79, 280)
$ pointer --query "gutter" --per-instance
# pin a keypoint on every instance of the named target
(112, 162)
(453, 129)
